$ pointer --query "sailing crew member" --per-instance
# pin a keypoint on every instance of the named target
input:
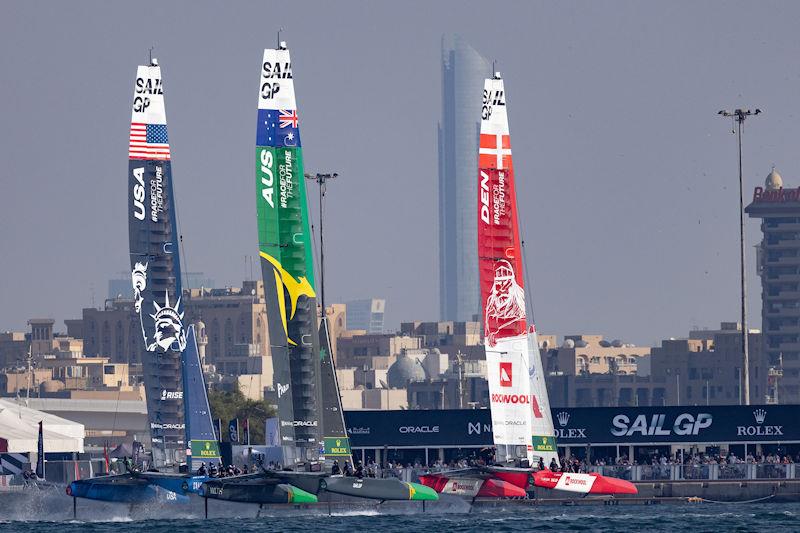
(335, 470)
(202, 470)
(553, 464)
(359, 470)
(348, 470)
(541, 463)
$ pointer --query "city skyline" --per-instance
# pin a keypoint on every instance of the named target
(627, 178)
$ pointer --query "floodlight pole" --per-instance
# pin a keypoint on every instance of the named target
(321, 180)
(739, 116)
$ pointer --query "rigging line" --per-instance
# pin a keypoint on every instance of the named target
(706, 500)
(528, 286)
(177, 226)
(314, 246)
(119, 390)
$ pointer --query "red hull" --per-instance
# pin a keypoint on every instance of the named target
(497, 488)
(583, 483)
(474, 487)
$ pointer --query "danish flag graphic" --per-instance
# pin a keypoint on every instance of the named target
(495, 151)
(505, 374)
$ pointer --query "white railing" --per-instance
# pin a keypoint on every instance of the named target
(690, 472)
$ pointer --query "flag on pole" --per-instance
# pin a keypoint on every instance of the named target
(105, 456)
(233, 430)
(271, 433)
(75, 463)
(40, 454)
(219, 429)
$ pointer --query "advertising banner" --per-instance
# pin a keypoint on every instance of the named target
(582, 426)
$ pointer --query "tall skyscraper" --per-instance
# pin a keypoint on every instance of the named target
(779, 268)
(463, 73)
(366, 314)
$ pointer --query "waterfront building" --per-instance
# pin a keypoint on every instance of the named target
(778, 261)
(13, 348)
(121, 287)
(113, 331)
(358, 350)
(444, 333)
(463, 73)
(234, 317)
(367, 315)
(591, 354)
(230, 324)
(605, 390)
(706, 368)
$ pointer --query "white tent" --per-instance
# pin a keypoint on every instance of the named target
(19, 430)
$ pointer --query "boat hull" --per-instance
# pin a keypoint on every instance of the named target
(378, 489)
(303, 487)
(256, 490)
(583, 483)
(122, 489)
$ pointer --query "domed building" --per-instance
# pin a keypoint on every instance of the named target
(403, 371)
(773, 181)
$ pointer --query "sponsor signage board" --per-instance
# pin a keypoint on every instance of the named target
(337, 447)
(581, 426)
(205, 449)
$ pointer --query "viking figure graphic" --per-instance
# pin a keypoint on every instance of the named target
(506, 303)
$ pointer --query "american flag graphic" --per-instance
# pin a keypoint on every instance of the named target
(148, 141)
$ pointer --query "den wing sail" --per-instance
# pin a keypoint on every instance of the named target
(284, 242)
(155, 265)
(518, 420)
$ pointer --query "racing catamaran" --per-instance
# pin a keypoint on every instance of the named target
(181, 428)
(522, 424)
(311, 430)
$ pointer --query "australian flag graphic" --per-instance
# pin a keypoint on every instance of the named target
(278, 127)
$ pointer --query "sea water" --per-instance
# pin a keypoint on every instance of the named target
(697, 518)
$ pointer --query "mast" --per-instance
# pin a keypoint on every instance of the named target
(284, 239)
(155, 265)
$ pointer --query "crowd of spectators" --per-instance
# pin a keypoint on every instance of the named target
(656, 466)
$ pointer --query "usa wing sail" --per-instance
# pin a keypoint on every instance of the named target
(155, 265)
(286, 263)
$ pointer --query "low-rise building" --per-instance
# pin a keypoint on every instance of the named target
(592, 354)
(706, 368)
(357, 351)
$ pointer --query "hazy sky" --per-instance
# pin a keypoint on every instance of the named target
(626, 175)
